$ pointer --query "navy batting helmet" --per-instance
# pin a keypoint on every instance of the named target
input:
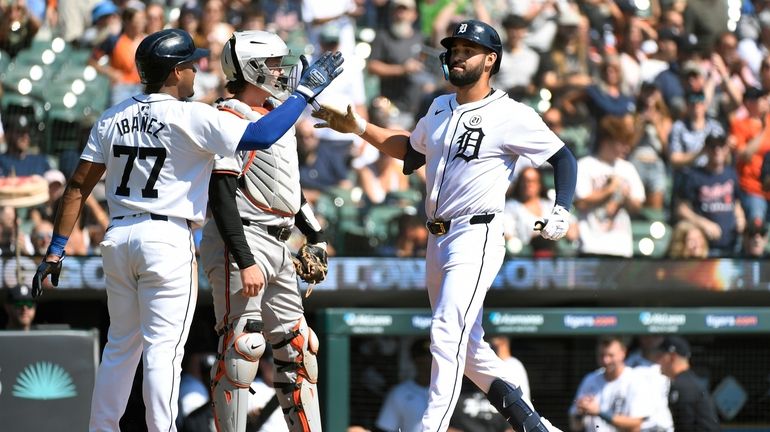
(162, 51)
(477, 32)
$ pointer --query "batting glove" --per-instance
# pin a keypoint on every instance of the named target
(349, 122)
(556, 225)
(46, 268)
(316, 77)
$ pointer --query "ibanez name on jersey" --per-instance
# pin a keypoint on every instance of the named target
(140, 123)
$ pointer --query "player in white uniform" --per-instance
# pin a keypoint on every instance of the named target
(471, 141)
(254, 197)
(614, 397)
(157, 152)
(644, 363)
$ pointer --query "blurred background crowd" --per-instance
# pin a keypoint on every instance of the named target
(664, 102)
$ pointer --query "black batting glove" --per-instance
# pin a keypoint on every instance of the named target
(46, 268)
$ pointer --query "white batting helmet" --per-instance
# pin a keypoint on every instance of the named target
(244, 55)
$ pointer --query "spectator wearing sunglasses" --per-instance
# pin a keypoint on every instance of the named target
(20, 307)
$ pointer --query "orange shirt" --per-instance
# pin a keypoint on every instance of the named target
(122, 59)
(744, 130)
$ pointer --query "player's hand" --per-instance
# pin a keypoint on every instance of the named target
(349, 122)
(557, 224)
(316, 77)
(49, 266)
(252, 281)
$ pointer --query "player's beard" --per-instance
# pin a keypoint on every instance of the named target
(465, 77)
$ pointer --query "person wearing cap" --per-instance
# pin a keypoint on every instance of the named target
(690, 402)
(755, 240)
(104, 23)
(688, 134)
(469, 142)
(20, 308)
(520, 62)
(120, 50)
(339, 154)
(566, 65)
(395, 57)
(157, 151)
(20, 159)
(708, 196)
(406, 402)
(642, 360)
(751, 134)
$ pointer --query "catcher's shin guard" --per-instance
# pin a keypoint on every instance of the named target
(240, 347)
(296, 368)
(509, 402)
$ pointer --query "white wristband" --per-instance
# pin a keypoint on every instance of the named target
(360, 125)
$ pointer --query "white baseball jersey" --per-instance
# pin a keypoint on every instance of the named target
(470, 153)
(601, 233)
(159, 153)
(626, 395)
(268, 188)
(658, 385)
(403, 408)
(471, 150)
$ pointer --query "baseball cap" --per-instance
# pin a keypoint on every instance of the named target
(410, 4)
(515, 21)
(103, 9)
(675, 344)
(754, 93)
(756, 227)
(693, 68)
(670, 34)
(19, 293)
(715, 139)
(54, 176)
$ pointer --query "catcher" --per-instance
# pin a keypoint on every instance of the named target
(255, 200)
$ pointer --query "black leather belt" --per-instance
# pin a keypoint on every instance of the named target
(280, 233)
(441, 227)
(153, 216)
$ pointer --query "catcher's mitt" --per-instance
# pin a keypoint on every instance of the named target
(311, 263)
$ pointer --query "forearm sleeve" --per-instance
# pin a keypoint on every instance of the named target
(307, 223)
(261, 134)
(225, 211)
(564, 176)
(413, 160)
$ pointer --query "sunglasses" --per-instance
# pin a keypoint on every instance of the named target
(24, 303)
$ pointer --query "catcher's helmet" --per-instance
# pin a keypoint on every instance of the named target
(244, 55)
(162, 51)
(477, 32)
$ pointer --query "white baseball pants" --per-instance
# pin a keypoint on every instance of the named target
(461, 266)
(152, 288)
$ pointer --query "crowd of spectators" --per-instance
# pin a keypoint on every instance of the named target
(664, 102)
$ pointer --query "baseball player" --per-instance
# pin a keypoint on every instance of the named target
(255, 198)
(157, 152)
(470, 141)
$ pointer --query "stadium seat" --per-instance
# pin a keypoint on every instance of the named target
(5, 60)
(651, 239)
(380, 221)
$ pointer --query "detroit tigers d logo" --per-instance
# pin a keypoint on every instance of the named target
(468, 144)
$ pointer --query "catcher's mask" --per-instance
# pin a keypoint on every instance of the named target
(260, 58)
